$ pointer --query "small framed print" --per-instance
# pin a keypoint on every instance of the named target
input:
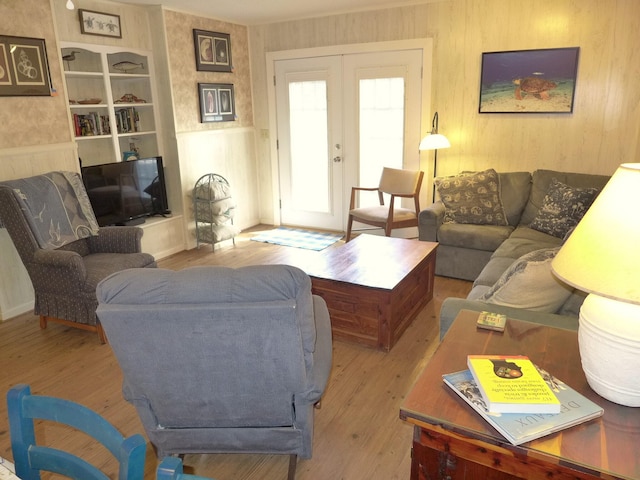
(217, 102)
(213, 51)
(98, 23)
(24, 69)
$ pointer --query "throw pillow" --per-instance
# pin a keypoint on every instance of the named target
(472, 198)
(563, 207)
(529, 283)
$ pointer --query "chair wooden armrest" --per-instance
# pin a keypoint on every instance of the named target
(354, 190)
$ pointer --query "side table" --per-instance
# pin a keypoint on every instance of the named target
(451, 441)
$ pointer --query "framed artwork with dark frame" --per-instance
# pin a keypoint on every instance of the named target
(99, 23)
(213, 51)
(217, 102)
(24, 69)
(529, 81)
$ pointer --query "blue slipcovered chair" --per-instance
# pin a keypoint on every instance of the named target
(30, 458)
(220, 360)
(171, 469)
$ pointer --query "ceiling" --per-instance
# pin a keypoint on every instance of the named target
(255, 12)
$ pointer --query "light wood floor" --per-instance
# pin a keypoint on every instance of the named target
(358, 434)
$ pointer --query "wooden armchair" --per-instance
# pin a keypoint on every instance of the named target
(398, 184)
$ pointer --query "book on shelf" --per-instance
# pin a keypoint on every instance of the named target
(519, 428)
(512, 384)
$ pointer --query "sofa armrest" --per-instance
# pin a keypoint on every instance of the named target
(429, 221)
(452, 306)
(116, 240)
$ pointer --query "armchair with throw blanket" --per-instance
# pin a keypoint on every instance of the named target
(51, 223)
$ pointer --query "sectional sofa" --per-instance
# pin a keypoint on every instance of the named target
(507, 245)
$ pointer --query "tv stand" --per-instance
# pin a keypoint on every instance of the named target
(132, 222)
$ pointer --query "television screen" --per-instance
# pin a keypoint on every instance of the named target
(124, 193)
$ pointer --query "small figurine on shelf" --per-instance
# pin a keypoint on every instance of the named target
(130, 98)
(129, 156)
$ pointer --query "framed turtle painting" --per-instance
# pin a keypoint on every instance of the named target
(529, 81)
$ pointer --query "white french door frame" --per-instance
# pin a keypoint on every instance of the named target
(424, 44)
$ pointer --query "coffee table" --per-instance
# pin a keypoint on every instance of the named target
(374, 286)
(451, 440)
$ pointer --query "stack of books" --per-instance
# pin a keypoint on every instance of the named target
(520, 400)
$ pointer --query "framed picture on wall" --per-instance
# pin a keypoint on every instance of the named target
(98, 23)
(213, 51)
(217, 102)
(24, 69)
(529, 81)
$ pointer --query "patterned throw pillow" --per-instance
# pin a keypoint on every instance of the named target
(563, 207)
(529, 283)
(472, 198)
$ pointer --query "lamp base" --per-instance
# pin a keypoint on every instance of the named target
(609, 341)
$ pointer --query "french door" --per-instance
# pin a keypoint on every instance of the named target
(340, 119)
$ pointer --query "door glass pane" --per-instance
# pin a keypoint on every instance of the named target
(381, 130)
(309, 145)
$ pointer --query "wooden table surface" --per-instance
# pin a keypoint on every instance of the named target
(369, 260)
(609, 445)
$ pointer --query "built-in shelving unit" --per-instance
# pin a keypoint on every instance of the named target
(114, 116)
(111, 101)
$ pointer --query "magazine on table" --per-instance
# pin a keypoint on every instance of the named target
(519, 428)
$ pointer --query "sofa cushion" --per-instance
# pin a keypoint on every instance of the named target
(476, 237)
(514, 191)
(572, 305)
(540, 181)
(492, 271)
(524, 240)
(529, 283)
(472, 198)
(563, 207)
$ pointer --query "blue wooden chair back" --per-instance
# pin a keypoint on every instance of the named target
(171, 469)
(30, 458)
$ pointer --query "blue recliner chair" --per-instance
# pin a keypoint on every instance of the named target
(220, 360)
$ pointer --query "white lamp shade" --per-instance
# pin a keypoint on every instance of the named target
(434, 141)
(602, 255)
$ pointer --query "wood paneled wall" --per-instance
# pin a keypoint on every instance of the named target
(602, 132)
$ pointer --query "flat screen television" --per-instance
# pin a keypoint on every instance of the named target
(125, 193)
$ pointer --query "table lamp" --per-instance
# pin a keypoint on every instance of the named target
(434, 141)
(602, 257)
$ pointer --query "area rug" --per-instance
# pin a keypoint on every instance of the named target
(294, 237)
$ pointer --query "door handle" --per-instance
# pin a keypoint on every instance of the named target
(337, 159)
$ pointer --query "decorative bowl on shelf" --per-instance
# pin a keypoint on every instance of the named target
(90, 101)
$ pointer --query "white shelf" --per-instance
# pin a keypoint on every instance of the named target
(90, 72)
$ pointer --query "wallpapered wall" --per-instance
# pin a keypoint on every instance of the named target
(33, 120)
(184, 77)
